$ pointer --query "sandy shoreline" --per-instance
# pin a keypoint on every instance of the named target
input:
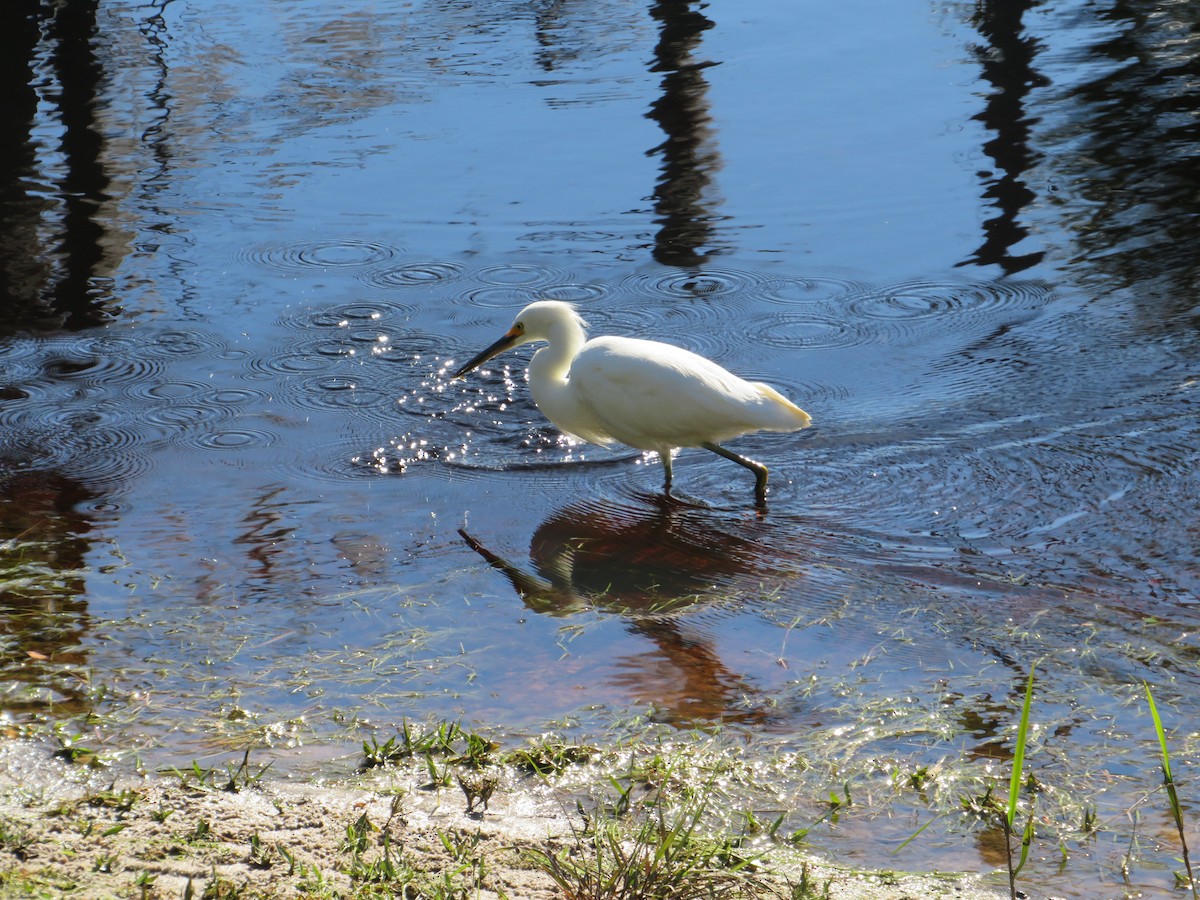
(70, 830)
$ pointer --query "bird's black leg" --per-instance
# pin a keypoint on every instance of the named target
(759, 470)
(666, 464)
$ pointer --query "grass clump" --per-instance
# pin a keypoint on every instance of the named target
(232, 779)
(450, 753)
(450, 741)
(548, 756)
(71, 750)
(413, 742)
(377, 755)
(665, 855)
(16, 838)
(389, 873)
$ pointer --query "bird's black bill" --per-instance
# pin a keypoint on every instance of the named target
(509, 340)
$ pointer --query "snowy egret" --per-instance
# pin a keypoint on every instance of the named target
(645, 394)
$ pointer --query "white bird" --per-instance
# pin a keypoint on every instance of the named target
(648, 395)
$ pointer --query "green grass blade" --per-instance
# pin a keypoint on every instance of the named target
(1018, 764)
(1026, 843)
(908, 840)
(1162, 735)
(1172, 793)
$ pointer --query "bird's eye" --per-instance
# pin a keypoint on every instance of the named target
(520, 326)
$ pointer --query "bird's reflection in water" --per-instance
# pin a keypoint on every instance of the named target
(657, 566)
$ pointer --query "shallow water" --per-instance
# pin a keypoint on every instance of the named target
(243, 503)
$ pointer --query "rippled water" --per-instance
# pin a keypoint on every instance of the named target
(244, 503)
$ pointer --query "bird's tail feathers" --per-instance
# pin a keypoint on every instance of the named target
(790, 416)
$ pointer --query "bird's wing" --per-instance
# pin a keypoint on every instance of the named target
(655, 396)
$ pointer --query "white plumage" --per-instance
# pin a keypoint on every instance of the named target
(645, 394)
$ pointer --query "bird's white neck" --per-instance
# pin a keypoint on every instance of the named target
(548, 371)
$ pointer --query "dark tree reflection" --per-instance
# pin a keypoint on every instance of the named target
(22, 272)
(685, 235)
(1125, 136)
(50, 276)
(1006, 57)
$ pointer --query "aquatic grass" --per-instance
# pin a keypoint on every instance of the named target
(121, 801)
(72, 751)
(376, 754)
(46, 882)
(438, 740)
(145, 883)
(1172, 792)
(446, 739)
(261, 856)
(753, 825)
(478, 752)
(1004, 810)
(205, 671)
(807, 888)
(237, 778)
(912, 837)
(1090, 823)
(548, 756)
(832, 812)
(450, 753)
(161, 814)
(469, 862)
